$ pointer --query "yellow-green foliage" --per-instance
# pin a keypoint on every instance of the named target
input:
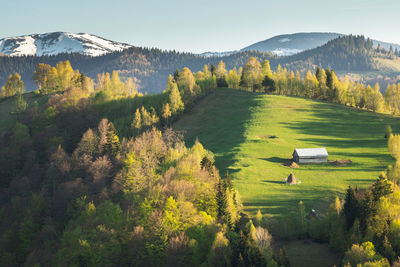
(258, 217)
(394, 146)
(233, 78)
(171, 216)
(388, 209)
(239, 135)
(220, 251)
(361, 254)
(14, 85)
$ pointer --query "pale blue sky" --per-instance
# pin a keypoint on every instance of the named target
(199, 26)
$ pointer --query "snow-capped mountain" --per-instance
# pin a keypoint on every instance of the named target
(58, 42)
(290, 44)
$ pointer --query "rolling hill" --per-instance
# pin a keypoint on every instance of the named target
(254, 135)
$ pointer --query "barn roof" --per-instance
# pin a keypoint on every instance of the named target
(311, 152)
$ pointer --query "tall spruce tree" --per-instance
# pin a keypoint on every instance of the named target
(221, 199)
(351, 207)
(113, 145)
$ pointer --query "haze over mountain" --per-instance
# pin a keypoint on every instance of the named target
(55, 43)
(150, 67)
(290, 44)
(58, 42)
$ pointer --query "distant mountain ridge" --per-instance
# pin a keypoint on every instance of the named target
(291, 44)
(59, 42)
(150, 67)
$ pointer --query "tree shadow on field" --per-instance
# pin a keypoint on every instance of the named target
(276, 160)
(219, 122)
(336, 126)
(273, 182)
(285, 203)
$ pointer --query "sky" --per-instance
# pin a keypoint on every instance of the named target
(200, 26)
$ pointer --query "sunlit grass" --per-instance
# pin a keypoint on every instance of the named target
(237, 127)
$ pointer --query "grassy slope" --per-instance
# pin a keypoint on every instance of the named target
(236, 125)
(305, 253)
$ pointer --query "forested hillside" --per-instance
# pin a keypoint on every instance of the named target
(151, 67)
(91, 173)
(93, 176)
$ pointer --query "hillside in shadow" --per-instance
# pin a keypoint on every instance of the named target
(218, 122)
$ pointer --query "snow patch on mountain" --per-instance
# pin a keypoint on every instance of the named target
(217, 54)
(284, 40)
(59, 42)
(285, 51)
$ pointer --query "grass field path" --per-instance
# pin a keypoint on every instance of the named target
(252, 135)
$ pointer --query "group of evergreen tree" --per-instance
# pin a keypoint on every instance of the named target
(389, 52)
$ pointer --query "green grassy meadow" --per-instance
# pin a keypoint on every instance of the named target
(237, 126)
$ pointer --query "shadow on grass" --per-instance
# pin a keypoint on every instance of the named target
(274, 182)
(219, 122)
(343, 127)
(361, 180)
(287, 204)
(276, 160)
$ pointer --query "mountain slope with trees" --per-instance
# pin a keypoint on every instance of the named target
(150, 67)
(91, 173)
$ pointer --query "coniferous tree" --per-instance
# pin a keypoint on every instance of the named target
(351, 207)
(382, 187)
(112, 146)
(221, 199)
(269, 84)
(137, 120)
(176, 75)
(213, 70)
(207, 165)
(368, 210)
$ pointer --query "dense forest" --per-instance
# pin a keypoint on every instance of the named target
(151, 67)
(95, 177)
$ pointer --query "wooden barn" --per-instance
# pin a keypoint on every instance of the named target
(310, 155)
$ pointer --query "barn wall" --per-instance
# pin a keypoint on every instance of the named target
(313, 160)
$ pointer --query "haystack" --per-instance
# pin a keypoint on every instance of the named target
(291, 179)
(293, 165)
